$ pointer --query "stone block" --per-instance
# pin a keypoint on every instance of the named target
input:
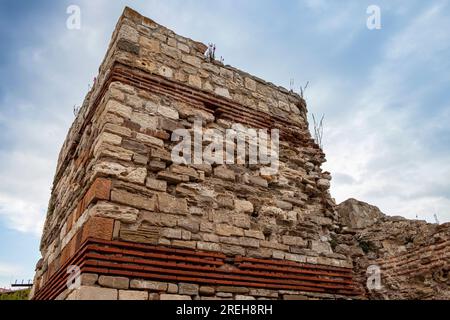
(155, 184)
(114, 282)
(188, 289)
(172, 288)
(189, 224)
(294, 241)
(133, 295)
(208, 246)
(88, 279)
(118, 108)
(231, 289)
(174, 297)
(148, 285)
(244, 297)
(254, 234)
(223, 173)
(206, 291)
(170, 204)
(228, 230)
(243, 206)
(133, 199)
(127, 173)
(93, 293)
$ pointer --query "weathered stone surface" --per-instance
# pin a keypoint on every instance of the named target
(118, 108)
(132, 199)
(227, 230)
(243, 206)
(224, 173)
(131, 174)
(189, 224)
(171, 233)
(124, 214)
(244, 297)
(133, 295)
(88, 279)
(172, 288)
(156, 184)
(148, 285)
(174, 297)
(114, 282)
(263, 293)
(294, 241)
(170, 204)
(188, 289)
(357, 214)
(232, 289)
(208, 246)
(93, 293)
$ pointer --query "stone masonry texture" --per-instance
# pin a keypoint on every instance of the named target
(142, 227)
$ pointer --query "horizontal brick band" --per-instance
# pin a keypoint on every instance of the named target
(159, 263)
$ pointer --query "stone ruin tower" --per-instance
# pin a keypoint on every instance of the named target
(139, 226)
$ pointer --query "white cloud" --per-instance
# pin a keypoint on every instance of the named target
(379, 146)
(7, 269)
(35, 116)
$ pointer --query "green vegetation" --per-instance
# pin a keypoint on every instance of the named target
(16, 295)
(366, 246)
(333, 241)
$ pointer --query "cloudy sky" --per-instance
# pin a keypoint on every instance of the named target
(385, 93)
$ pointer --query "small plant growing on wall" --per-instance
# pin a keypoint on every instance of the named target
(318, 130)
(211, 52)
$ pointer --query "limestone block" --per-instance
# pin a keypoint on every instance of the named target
(114, 282)
(124, 214)
(244, 297)
(133, 199)
(189, 224)
(254, 234)
(208, 246)
(156, 184)
(93, 293)
(294, 241)
(148, 285)
(150, 140)
(170, 204)
(192, 60)
(174, 297)
(188, 289)
(224, 173)
(228, 230)
(118, 108)
(133, 295)
(206, 291)
(243, 206)
(172, 288)
(131, 174)
(168, 112)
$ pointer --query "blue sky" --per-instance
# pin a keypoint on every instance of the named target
(385, 93)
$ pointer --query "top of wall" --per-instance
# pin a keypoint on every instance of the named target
(141, 43)
(157, 49)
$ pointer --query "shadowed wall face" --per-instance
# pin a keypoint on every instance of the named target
(139, 225)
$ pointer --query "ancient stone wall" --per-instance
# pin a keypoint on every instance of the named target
(413, 256)
(140, 226)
